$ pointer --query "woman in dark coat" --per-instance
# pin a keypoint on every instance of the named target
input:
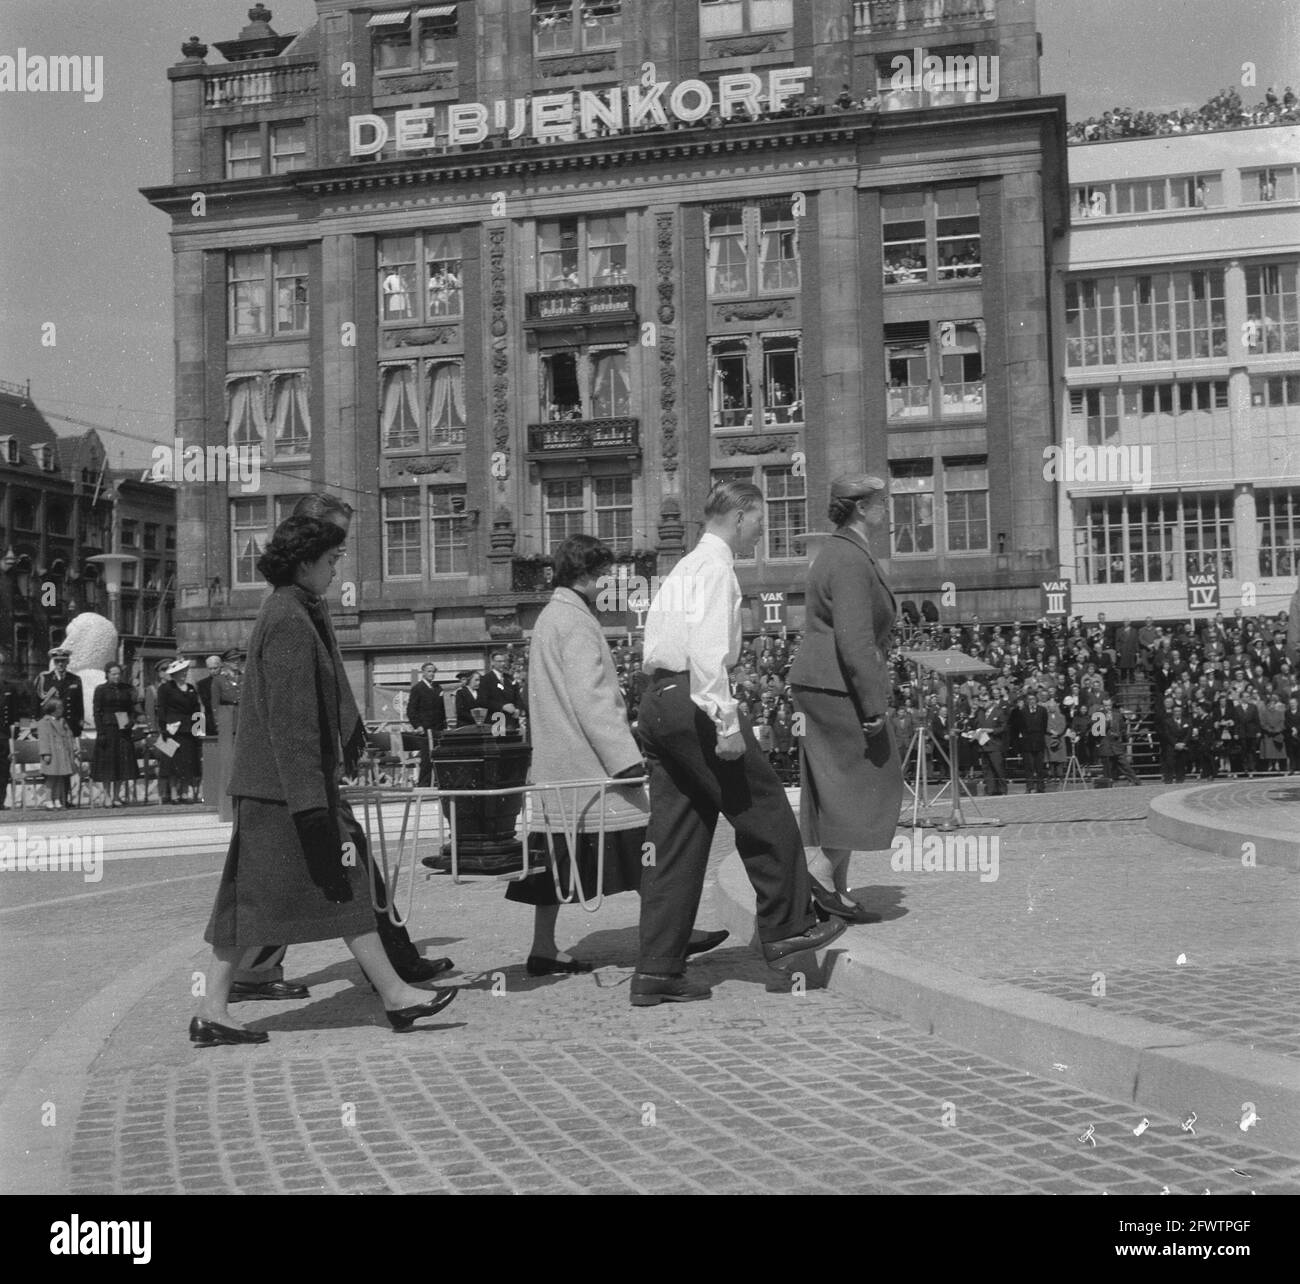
(291, 873)
(178, 711)
(113, 761)
(852, 773)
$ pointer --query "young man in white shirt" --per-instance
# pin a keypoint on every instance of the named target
(704, 762)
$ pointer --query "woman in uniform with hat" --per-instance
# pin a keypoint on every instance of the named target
(852, 775)
(179, 712)
(292, 873)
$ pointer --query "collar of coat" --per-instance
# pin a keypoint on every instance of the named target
(858, 542)
(571, 597)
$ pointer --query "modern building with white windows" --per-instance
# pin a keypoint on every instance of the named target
(1177, 307)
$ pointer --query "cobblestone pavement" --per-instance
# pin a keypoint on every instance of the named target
(558, 1085)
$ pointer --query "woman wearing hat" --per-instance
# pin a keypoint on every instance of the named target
(179, 713)
(291, 873)
(852, 775)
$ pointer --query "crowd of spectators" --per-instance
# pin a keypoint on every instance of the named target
(1182, 699)
(1224, 111)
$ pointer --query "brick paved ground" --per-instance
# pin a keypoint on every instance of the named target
(558, 1085)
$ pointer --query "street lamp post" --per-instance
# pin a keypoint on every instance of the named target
(113, 564)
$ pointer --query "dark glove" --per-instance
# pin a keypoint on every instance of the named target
(318, 834)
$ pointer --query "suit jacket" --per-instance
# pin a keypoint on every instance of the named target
(849, 614)
(994, 721)
(1113, 741)
(1033, 729)
(204, 687)
(291, 707)
(466, 702)
(496, 693)
(179, 705)
(425, 710)
(1247, 716)
(70, 691)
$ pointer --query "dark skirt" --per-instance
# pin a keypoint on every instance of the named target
(266, 896)
(184, 763)
(622, 867)
(113, 757)
(852, 789)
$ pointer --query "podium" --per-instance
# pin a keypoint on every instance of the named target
(949, 665)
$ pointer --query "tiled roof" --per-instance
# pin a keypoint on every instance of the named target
(20, 419)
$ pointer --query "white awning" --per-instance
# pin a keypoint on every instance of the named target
(436, 11)
(389, 18)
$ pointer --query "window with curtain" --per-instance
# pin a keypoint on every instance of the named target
(246, 291)
(446, 403)
(787, 512)
(399, 407)
(391, 40)
(564, 510)
(961, 367)
(610, 387)
(561, 394)
(579, 253)
(553, 26)
(731, 400)
(402, 545)
(245, 412)
(907, 367)
(782, 380)
(911, 493)
(778, 248)
(607, 250)
(290, 268)
(728, 260)
(439, 35)
(612, 504)
(290, 416)
(248, 534)
(442, 272)
(966, 505)
(448, 530)
(432, 258)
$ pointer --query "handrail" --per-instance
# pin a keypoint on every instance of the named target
(378, 796)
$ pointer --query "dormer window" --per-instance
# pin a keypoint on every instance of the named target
(44, 455)
(9, 450)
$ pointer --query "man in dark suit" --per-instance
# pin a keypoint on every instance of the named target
(1246, 712)
(426, 712)
(1176, 733)
(204, 685)
(1033, 744)
(1110, 729)
(500, 692)
(56, 680)
(991, 736)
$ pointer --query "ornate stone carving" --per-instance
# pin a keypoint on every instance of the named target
(499, 328)
(742, 48)
(754, 311)
(553, 67)
(419, 467)
(503, 531)
(764, 444)
(665, 269)
(414, 84)
(425, 336)
(502, 622)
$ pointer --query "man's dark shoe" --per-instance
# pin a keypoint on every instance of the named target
(709, 941)
(648, 990)
(815, 938)
(271, 991)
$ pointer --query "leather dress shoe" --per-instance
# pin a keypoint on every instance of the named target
(422, 969)
(709, 941)
(648, 990)
(815, 938)
(211, 1034)
(404, 1018)
(271, 991)
(537, 965)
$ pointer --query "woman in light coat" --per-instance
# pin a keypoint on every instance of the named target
(579, 727)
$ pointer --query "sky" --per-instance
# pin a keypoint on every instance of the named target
(80, 248)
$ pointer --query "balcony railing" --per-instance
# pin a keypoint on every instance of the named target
(584, 437)
(255, 88)
(597, 301)
(906, 15)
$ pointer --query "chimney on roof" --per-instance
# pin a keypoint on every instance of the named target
(256, 40)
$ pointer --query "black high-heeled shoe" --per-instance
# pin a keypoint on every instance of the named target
(404, 1018)
(211, 1034)
(828, 903)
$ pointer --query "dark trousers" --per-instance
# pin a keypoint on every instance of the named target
(690, 786)
(1035, 769)
(268, 963)
(1117, 764)
(995, 772)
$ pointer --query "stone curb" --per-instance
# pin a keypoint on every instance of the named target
(1171, 817)
(1162, 1071)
